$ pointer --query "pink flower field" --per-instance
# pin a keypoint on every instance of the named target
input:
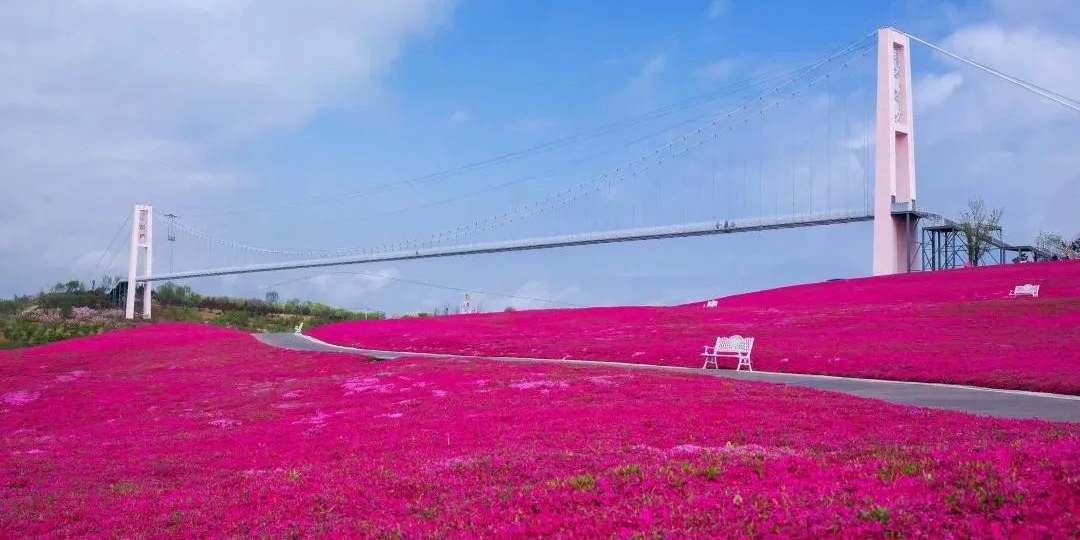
(955, 326)
(188, 431)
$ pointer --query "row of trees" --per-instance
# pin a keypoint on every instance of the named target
(1058, 246)
(172, 294)
(67, 295)
(980, 225)
(105, 283)
(75, 308)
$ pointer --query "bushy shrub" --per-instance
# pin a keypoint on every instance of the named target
(13, 306)
(234, 319)
(60, 300)
(171, 294)
(21, 332)
(179, 313)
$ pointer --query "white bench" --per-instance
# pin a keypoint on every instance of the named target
(1025, 290)
(711, 303)
(729, 347)
(299, 328)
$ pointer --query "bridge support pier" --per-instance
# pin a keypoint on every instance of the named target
(142, 244)
(894, 174)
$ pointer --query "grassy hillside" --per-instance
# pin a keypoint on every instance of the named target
(955, 326)
(191, 431)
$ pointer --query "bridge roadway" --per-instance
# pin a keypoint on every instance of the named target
(701, 228)
(566, 240)
(975, 400)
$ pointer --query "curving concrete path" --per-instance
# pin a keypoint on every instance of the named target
(972, 399)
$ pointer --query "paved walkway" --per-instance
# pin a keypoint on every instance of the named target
(976, 400)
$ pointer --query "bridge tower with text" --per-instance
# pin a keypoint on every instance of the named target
(142, 247)
(895, 219)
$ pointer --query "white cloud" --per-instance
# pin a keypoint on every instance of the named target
(934, 89)
(718, 8)
(1039, 13)
(638, 90)
(533, 124)
(345, 288)
(992, 140)
(719, 70)
(460, 116)
(109, 102)
(655, 66)
(1035, 54)
(533, 292)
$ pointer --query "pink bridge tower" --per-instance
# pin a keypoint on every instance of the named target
(894, 176)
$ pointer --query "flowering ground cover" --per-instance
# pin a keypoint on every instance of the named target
(190, 431)
(954, 326)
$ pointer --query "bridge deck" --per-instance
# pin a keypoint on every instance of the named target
(567, 240)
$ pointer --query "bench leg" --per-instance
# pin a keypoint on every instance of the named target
(744, 361)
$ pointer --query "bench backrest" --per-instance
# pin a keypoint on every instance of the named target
(711, 303)
(1026, 289)
(734, 343)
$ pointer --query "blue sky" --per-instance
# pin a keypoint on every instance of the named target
(208, 108)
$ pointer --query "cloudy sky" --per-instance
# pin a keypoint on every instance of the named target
(352, 124)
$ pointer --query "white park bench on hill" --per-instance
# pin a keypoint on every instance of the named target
(299, 328)
(729, 347)
(1025, 290)
(711, 303)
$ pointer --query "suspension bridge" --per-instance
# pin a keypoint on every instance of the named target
(872, 180)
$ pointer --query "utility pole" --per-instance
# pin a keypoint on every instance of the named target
(171, 237)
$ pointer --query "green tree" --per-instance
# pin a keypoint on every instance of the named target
(1051, 243)
(978, 225)
(171, 294)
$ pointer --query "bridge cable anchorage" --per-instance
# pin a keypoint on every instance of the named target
(425, 284)
(1056, 97)
(564, 197)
